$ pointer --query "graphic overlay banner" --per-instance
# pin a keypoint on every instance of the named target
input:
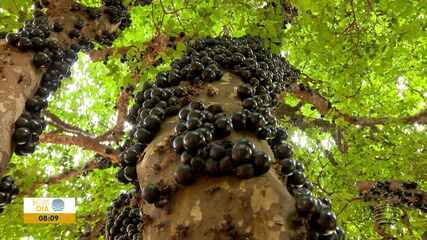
(50, 210)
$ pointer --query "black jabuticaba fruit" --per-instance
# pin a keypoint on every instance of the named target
(245, 171)
(192, 140)
(217, 152)
(180, 128)
(57, 27)
(288, 166)
(12, 39)
(159, 112)
(305, 205)
(22, 136)
(24, 44)
(37, 43)
(205, 132)
(223, 127)
(193, 123)
(241, 153)
(245, 91)
(212, 168)
(215, 108)
(121, 176)
(186, 157)
(36, 126)
(296, 178)
(178, 144)
(144, 135)
(196, 105)
(22, 121)
(238, 120)
(41, 59)
(324, 221)
(35, 104)
(152, 122)
(250, 103)
(282, 151)
(74, 33)
(262, 162)
(130, 173)
(184, 174)
(226, 165)
(131, 156)
(183, 114)
(151, 193)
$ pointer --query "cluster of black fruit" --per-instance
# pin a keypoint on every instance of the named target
(199, 139)
(8, 191)
(116, 12)
(128, 160)
(406, 193)
(48, 55)
(124, 218)
(315, 213)
(153, 105)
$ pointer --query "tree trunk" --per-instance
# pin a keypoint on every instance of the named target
(19, 79)
(216, 208)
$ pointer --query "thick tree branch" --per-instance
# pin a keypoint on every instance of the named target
(118, 130)
(152, 48)
(325, 107)
(75, 172)
(394, 192)
(298, 120)
(84, 142)
(101, 54)
(54, 120)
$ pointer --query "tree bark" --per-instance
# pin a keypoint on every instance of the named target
(216, 208)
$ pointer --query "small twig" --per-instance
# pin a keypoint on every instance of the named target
(118, 130)
(56, 121)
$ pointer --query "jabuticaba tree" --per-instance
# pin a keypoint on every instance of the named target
(208, 158)
(35, 59)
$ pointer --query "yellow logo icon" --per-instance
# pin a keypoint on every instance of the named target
(50, 210)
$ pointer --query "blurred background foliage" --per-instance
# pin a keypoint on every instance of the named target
(368, 58)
